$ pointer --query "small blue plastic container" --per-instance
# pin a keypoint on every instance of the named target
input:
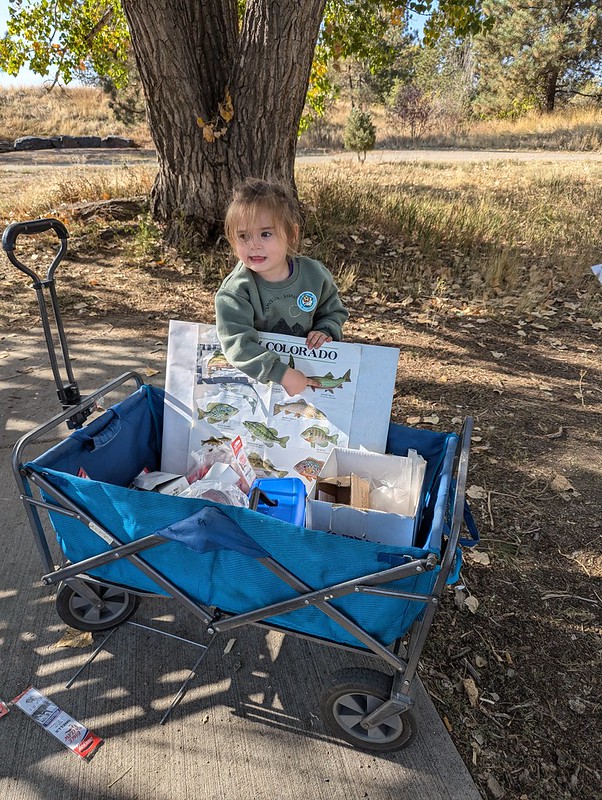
(290, 495)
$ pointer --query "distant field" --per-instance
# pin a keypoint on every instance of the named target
(86, 111)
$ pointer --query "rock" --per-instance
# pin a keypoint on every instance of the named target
(6, 145)
(79, 141)
(117, 141)
(34, 143)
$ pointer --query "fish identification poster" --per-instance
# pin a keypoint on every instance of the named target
(208, 400)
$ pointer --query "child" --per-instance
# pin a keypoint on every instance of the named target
(270, 289)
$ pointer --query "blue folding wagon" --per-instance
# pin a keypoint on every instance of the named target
(228, 565)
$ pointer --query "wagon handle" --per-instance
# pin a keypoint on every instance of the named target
(68, 391)
(13, 231)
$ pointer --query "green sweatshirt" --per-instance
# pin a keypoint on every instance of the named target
(245, 303)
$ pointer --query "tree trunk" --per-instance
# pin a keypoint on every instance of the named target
(191, 54)
(551, 87)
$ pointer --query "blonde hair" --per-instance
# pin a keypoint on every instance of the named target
(254, 195)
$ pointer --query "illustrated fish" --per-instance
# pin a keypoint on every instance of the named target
(299, 408)
(266, 435)
(319, 436)
(217, 412)
(264, 466)
(328, 382)
(216, 440)
(216, 362)
(309, 468)
(246, 391)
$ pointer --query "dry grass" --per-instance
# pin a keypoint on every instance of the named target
(526, 229)
(25, 197)
(80, 111)
(573, 129)
(85, 111)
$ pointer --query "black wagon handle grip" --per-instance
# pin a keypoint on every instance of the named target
(16, 229)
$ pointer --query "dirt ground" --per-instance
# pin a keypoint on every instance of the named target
(514, 660)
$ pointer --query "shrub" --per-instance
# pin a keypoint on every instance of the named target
(360, 133)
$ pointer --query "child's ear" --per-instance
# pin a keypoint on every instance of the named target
(295, 234)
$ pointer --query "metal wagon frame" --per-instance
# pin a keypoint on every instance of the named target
(367, 708)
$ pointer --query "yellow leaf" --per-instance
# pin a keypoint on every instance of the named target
(200, 122)
(73, 638)
(149, 372)
(226, 109)
(208, 134)
(471, 690)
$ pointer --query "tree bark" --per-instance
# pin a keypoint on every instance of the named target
(551, 89)
(190, 54)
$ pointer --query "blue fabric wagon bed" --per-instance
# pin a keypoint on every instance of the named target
(115, 447)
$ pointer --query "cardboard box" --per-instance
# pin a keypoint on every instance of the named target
(376, 526)
(163, 482)
(349, 490)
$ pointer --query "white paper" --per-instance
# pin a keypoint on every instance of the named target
(207, 400)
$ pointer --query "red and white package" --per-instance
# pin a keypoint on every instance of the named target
(4, 709)
(243, 462)
(67, 730)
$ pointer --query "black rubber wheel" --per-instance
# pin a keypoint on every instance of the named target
(350, 695)
(80, 613)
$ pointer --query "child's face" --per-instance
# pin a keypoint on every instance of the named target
(262, 248)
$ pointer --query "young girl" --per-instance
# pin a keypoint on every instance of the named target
(271, 289)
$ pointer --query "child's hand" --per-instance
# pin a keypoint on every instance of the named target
(295, 382)
(316, 339)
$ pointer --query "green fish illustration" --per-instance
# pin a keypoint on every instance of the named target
(216, 440)
(246, 391)
(328, 382)
(217, 362)
(291, 362)
(264, 467)
(309, 468)
(217, 412)
(266, 435)
(318, 436)
(299, 408)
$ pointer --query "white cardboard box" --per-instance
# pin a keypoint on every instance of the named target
(376, 526)
(163, 482)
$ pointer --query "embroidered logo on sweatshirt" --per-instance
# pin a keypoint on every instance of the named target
(307, 301)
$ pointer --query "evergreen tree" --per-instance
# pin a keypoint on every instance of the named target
(360, 133)
(536, 52)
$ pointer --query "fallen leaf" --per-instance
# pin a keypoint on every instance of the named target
(471, 603)
(495, 788)
(413, 420)
(471, 690)
(480, 662)
(497, 355)
(478, 557)
(457, 420)
(407, 301)
(433, 419)
(561, 484)
(229, 646)
(149, 372)
(75, 638)
(476, 492)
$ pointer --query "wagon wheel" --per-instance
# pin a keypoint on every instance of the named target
(81, 613)
(350, 695)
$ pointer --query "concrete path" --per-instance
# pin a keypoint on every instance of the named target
(51, 160)
(249, 727)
